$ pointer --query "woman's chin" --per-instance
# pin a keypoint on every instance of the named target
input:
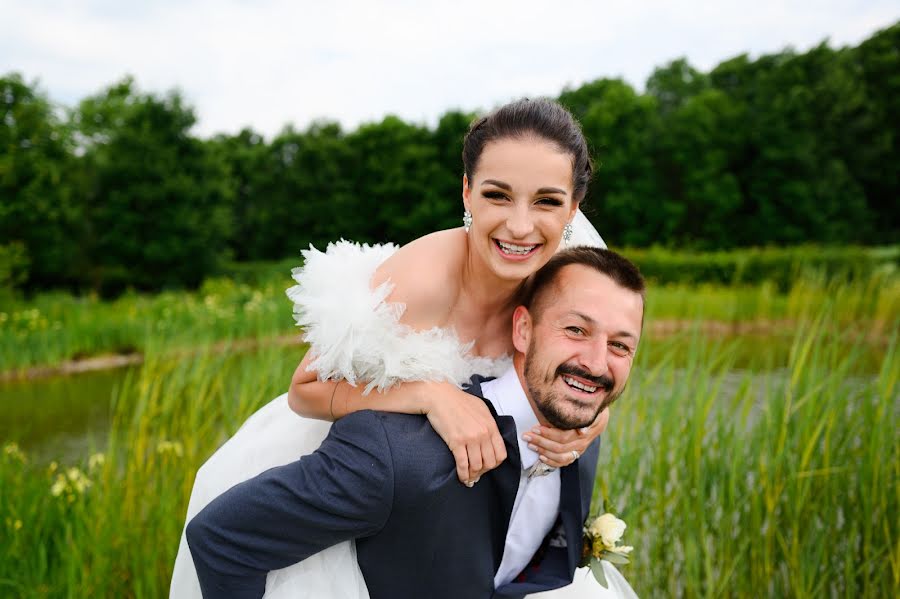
(518, 267)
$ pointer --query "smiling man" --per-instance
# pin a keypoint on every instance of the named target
(388, 480)
(575, 340)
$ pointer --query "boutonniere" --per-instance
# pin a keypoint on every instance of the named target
(599, 543)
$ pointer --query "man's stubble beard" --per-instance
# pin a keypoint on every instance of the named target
(550, 404)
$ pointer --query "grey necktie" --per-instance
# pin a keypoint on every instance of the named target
(539, 468)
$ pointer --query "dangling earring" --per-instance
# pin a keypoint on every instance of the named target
(467, 220)
(567, 233)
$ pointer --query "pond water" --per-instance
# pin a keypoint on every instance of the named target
(60, 417)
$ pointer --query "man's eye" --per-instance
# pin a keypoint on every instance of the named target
(575, 330)
(620, 349)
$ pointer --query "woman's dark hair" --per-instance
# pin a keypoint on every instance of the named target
(540, 118)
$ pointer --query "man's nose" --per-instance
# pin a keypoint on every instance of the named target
(595, 354)
(519, 223)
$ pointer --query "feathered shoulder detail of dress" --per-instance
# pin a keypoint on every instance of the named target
(355, 334)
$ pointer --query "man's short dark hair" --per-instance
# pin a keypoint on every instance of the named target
(617, 267)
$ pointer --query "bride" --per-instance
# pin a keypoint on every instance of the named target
(401, 329)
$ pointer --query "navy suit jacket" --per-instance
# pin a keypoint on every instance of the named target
(389, 482)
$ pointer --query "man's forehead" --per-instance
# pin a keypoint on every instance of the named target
(585, 293)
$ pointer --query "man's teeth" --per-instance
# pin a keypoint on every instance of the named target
(515, 249)
(578, 385)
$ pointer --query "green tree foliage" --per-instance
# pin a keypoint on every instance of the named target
(780, 149)
(624, 200)
(39, 216)
(158, 206)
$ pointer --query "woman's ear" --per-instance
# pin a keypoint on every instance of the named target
(521, 329)
(466, 193)
(572, 211)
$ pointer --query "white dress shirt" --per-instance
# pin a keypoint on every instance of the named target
(537, 500)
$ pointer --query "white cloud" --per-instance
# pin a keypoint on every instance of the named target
(264, 64)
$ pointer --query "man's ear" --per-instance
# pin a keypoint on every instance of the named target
(521, 329)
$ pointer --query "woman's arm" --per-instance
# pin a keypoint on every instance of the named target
(462, 420)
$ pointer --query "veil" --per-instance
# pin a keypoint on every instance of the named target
(583, 233)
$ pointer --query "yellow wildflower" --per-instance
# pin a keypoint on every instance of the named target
(80, 482)
(14, 452)
(96, 460)
(173, 447)
(59, 486)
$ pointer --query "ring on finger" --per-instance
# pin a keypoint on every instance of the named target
(575, 455)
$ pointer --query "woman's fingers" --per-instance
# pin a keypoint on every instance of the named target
(462, 462)
(467, 427)
(560, 447)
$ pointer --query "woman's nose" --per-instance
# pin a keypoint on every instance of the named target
(519, 223)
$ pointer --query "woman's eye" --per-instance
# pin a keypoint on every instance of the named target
(550, 202)
(494, 195)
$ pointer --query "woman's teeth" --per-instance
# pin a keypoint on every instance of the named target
(573, 383)
(518, 250)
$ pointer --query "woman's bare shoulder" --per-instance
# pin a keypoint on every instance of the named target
(425, 274)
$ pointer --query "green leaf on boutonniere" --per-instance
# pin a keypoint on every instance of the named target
(615, 558)
(597, 571)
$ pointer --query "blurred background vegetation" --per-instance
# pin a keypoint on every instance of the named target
(755, 452)
(116, 192)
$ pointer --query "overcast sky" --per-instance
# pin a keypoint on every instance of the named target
(266, 63)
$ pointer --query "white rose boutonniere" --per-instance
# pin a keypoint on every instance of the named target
(601, 536)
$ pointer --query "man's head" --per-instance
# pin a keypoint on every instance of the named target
(576, 333)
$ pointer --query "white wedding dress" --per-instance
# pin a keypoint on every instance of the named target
(356, 335)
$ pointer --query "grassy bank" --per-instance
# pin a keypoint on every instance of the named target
(250, 304)
(734, 483)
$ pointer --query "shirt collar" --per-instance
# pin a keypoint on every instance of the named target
(509, 399)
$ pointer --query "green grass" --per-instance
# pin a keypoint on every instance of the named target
(53, 328)
(782, 483)
(250, 304)
(746, 463)
(734, 483)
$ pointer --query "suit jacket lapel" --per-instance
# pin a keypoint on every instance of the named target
(571, 516)
(557, 566)
(506, 476)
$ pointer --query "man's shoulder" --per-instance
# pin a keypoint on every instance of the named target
(403, 435)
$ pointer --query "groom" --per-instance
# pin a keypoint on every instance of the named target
(388, 481)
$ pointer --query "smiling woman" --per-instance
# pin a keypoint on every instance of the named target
(518, 214)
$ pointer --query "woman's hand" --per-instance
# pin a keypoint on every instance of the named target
(555, 446)
(465, 424)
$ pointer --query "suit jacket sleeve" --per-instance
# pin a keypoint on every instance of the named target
(344, 490)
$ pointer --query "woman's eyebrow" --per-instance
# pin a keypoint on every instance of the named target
(552, 190)
(497, 183)
(508, 187)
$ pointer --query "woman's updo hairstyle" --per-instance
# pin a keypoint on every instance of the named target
(539, 118)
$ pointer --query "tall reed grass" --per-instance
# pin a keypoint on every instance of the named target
(781, 483)
(735, 483)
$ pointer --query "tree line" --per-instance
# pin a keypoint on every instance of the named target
(116, 192)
